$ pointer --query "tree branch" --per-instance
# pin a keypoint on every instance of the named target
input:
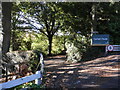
(47, 27)
(54, 31)
(29, 22)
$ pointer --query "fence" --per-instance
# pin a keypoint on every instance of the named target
(37, 77)
(7, 66)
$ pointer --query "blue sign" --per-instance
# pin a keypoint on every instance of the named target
(100, 39)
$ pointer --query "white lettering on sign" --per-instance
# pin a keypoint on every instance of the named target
(100, 38)
(116, 48)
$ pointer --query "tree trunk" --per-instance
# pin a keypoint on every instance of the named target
(50, 37)
(6, 21)
(94, 17)
(1, 36)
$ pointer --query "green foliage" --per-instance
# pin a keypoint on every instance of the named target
(93, 52)
(47, 16)
(40, 43)
(58, 44)
(21, 40)
(77, 20)
(75, 48)
(69, 18)
(34, 60)
(29, 85)
(108, 20)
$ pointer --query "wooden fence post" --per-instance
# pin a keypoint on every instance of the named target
(106, 51)
(38, 81)
(42, 63)
(6, 68)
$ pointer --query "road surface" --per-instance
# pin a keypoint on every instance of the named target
(102, 72)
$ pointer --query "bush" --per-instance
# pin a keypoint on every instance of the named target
(29, 85)
(93, 52)
(75, 49)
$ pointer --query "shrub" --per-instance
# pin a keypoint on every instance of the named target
(29, 85)
(93, 52)
(75, 49)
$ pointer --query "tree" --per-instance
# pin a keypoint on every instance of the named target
(44, 17)
(101, 17)
(6, 21)
(79, 26)
(1, 36)
(108, 18)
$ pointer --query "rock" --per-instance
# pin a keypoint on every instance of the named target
(19, 57)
